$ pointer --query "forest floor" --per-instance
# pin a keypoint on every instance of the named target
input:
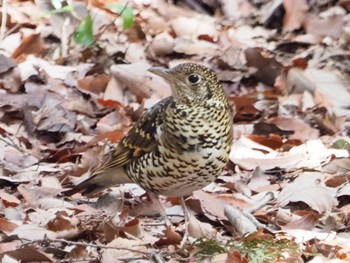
(74, 79)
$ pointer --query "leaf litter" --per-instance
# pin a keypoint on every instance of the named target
(64, 103)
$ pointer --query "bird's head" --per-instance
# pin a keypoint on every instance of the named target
(192, 83)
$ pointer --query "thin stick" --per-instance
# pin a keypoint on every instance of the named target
(88, 245)
(3, 19)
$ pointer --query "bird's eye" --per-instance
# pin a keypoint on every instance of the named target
(194, 78)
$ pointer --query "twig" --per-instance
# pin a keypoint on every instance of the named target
(13, 29)
(12, 144)
(3, 19)
(87, 245)
(98, 35)
(76, 260)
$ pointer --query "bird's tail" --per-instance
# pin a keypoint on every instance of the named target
(98, 181)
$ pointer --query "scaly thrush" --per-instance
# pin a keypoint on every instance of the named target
(179, 145)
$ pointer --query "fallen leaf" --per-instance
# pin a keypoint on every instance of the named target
(296, 12)
(32, 232)
(95, 84)
(139, 81)
(197, 229)
(237, 9)
(32, 44)
(192, 27)
(28, 255)
(171, 238)
(6, 63)
(131, 249)
(301, 130)
(307, 189)
(211, 206)
(9, 200)
(331, 26)
(162, 44)
(268, 68)
(307, 222)
(195, 47)
(7, 226)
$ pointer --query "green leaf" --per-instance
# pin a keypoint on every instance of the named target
(126, 13)
(84, 35)
(342, 144)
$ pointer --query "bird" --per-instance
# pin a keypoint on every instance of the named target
(179, 145)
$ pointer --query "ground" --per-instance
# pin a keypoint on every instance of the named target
(74, 79)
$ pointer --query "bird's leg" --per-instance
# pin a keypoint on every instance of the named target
(187, 220)
(162, 212)
(185, 209)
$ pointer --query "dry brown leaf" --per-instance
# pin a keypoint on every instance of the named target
(32, 44)
(116, 120)
(114, 92)
(309, 188)
(6, 226)
(9, 246)
(195, 47)
(110, 203)
(193, 27)
(268, 68)
(307, 222)
(11, 80)
(27, 254)
(139, 81)
(345, 210)
(6, 63)
(21, 160)
(235, 257)
(197, 229)
(331, 26)
(273, 141)
(112, 136)
(301, 130)
(162, 44)
(95, 84)
(171, 238)
(296, 11)
(120, 253)
(32, 232)
(36, 195)
(249, 155)
(337, 165)
(9, 200)
(236, 200)
(331, 91)
(237, 9)
(133, 228)
(78, 252)
(344, 191)
(53, 117)
(258, 180)
(135, 53)
(211, 206)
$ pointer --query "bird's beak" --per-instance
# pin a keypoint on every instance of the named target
(163, 72)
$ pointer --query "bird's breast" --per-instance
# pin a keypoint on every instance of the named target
(192, 149)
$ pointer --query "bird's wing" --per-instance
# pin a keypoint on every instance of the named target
(140, 139)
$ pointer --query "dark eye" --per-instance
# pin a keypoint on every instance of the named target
(194, 78)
